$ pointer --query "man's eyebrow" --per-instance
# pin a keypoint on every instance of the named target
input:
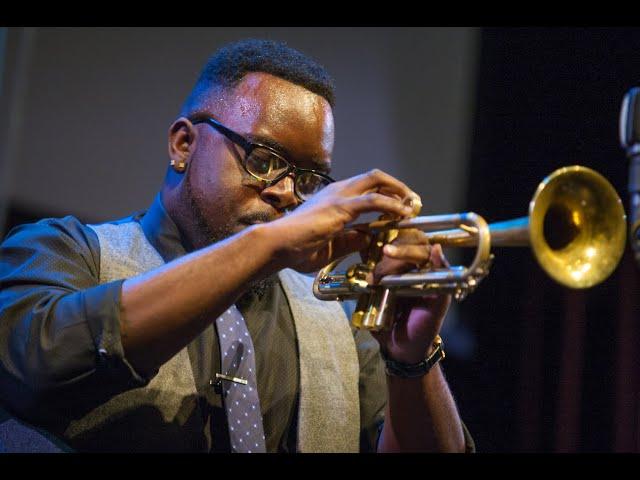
(324, 167)
(269, 142)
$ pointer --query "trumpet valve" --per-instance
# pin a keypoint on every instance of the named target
(374, 311)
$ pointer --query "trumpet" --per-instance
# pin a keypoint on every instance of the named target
(576, 228)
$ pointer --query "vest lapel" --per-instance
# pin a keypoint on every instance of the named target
(329, 413)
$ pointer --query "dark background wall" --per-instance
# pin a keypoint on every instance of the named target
(471, 118)
(95, 105)
(555, 370)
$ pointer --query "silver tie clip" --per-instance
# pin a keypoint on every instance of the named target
(231, 379)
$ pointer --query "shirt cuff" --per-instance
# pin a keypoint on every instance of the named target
(102, 311)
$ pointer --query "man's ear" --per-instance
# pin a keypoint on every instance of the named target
(182, 142)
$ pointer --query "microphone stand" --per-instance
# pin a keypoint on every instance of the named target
(630, 141)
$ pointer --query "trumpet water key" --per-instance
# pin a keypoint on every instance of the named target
(576, 228)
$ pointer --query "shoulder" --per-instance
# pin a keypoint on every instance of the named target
(65, 230)
(52, 248)
(60, 231)
(67, 237)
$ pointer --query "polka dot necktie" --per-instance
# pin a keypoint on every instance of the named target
(238, 382)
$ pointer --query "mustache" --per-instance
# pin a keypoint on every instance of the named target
(259, 217)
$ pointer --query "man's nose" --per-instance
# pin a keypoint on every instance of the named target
(281, 194)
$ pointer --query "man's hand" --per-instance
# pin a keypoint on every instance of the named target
(417, 320)
(313, 235)
(421, 415)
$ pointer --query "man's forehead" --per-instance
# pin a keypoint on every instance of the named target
(271, 107)
(263, 94)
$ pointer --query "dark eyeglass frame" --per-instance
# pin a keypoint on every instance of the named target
(248, 147)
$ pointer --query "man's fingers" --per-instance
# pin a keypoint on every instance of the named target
(438, 259)
(422, 254)
(379, 181)
(418, 254)
(376, 202)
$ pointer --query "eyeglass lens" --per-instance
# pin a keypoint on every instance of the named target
(267, 166)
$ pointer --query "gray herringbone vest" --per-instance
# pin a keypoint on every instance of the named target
(166, 409)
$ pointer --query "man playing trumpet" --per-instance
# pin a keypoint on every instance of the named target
(189, 328)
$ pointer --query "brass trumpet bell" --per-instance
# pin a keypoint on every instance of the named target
(577, 227)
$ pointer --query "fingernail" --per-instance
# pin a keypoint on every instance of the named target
(391, 250)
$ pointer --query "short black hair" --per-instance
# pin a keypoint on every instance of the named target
(228, 65)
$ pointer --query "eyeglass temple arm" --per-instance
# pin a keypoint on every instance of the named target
(230, 134)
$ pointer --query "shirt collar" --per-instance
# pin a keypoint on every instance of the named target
(162, 232)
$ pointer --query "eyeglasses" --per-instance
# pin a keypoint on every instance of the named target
(267, 165)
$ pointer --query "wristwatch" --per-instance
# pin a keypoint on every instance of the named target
(413, 370)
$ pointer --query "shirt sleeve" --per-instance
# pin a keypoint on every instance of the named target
(59, 328)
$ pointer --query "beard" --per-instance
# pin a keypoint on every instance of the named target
(208, 235)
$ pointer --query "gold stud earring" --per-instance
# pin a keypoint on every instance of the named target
(180, 166)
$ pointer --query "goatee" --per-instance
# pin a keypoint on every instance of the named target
(209, 236)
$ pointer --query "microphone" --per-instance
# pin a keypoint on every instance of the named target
(630, 141)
